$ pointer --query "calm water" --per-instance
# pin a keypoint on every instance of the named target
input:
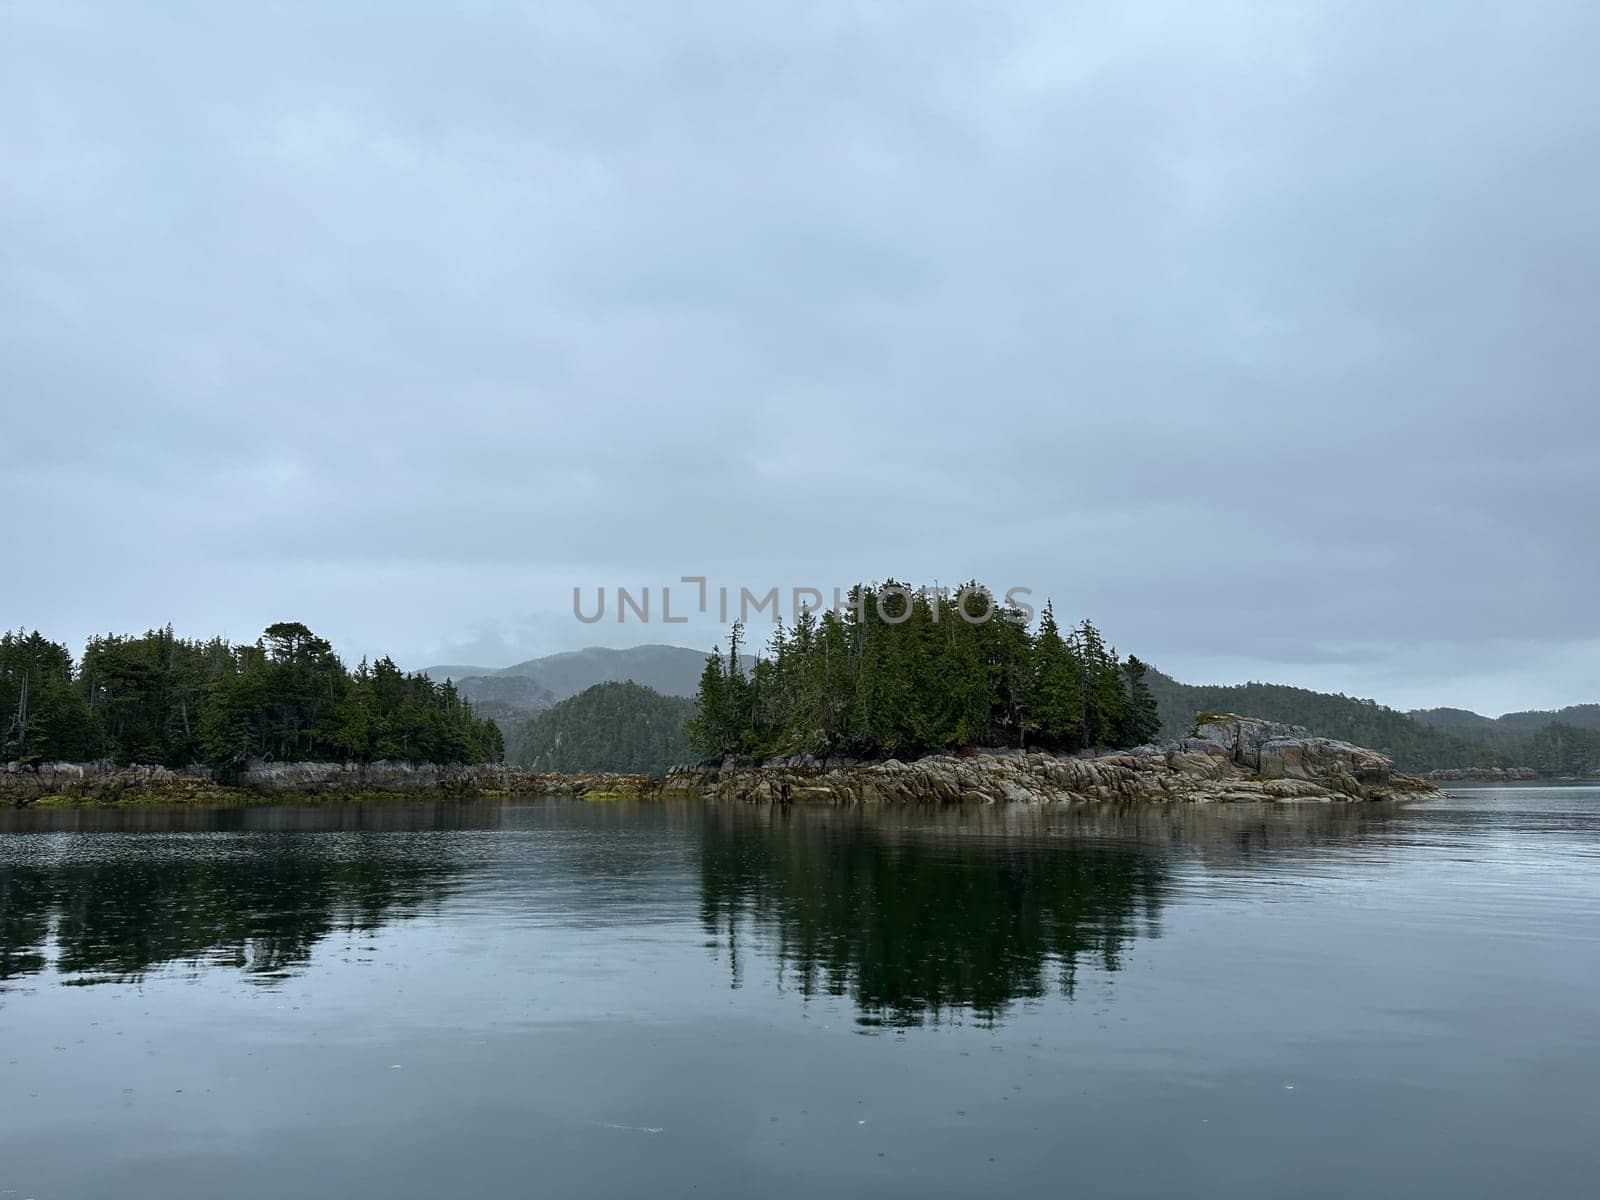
(561, 999)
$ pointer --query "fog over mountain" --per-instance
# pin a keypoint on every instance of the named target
(540, 683)
(1262, 335)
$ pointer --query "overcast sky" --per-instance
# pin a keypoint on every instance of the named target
(1263, 334)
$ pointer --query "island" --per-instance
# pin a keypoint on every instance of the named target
(1228, 758)
(899, 695)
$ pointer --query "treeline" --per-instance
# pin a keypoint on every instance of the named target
(1584, 716)
(906, 672)
(161, 699)
(1561, 749)
(608, 727)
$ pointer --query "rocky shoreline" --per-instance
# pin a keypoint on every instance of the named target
(1228, 758)
(104, 784)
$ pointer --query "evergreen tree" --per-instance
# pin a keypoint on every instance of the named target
(1100, 686)
(1141, 718)
(711, 728)
(42, 717)
(1058, 689)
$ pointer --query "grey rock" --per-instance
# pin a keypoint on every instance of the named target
(1241, 738)
(1232, 759)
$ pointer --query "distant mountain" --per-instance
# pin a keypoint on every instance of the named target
(670, 670)
(505, 697)
(607, 727)
(456, 671)
(528, 687)
(1451, 718)
(1578, 716)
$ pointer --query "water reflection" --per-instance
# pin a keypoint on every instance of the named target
(914, 914)
(914, 917)
(918, 915)
(227, 890)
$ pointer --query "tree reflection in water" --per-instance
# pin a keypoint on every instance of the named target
(230, 894)
(920, 915)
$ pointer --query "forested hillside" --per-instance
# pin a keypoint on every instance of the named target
(1451, 718)
(1560, 749)
(1581, 716)
(161, 699)
(608, 727)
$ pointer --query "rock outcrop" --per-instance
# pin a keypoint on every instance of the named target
(105, 783)
(1228, 758)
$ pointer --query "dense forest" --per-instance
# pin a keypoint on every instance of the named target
(1557, 749)
(906, 672)
(161, 699)
(1551, 743)
(607, 727)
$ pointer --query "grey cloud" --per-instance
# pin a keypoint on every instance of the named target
(1262, 336)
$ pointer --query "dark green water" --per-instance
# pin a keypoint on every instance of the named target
(560, 999)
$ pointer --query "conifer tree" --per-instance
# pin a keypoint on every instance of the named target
(1141, 718)
(710, 729)
(1058, 691)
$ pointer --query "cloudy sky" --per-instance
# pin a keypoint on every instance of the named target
(1264, 334)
